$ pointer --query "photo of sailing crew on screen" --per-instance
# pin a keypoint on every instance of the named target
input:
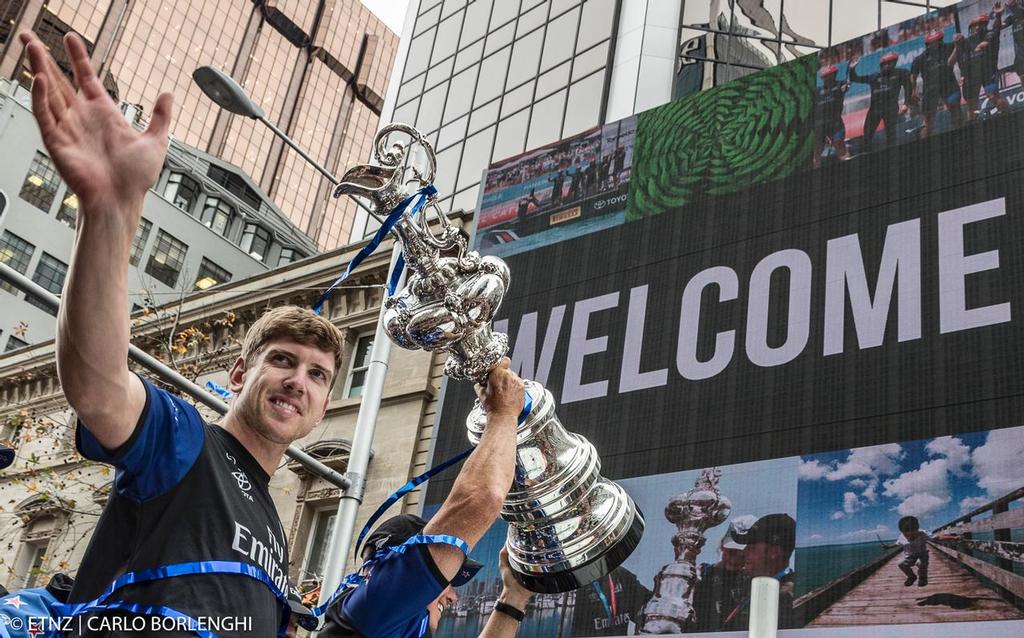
(954, 66)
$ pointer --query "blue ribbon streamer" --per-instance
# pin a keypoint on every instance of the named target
(426, 476)
(604, 599)
(172, 571)
(219, 389)
(423, 194)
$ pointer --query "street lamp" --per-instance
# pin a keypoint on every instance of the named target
(230, 96)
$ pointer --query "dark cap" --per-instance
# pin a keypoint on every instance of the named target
(773, 529)
(6, 456)
(398, 529)
(303, 615)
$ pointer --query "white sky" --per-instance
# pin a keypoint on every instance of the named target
(391, 12)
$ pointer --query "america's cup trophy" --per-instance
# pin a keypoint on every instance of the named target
(567, 526)
(693, 513)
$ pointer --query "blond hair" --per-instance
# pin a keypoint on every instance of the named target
(297, 324)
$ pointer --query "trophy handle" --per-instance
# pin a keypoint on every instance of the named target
(397, 154)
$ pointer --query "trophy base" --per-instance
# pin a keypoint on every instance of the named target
(557, 582)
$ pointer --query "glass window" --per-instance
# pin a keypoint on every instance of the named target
(16, 253)
(460, 96)
(217, 215)
(474, 26)
(469, 55)
(526, 56)
(452, 133)
(447, 169)
(553, 80)
(492, 76)
(590, 61)
(582, 109)
(139, 243)
(500, 38)
(360, 364)
(50, 273)
(511, 138)
(40, 185)
(447, 38)
(167, 258)
(596, 23)
(210, 274)
(440, 71)
(288, 255)
(427, 19)
(517, 99)
(429, 117)
(319, 543)
(807, 20)
(559, 39)
(68, 211)
(850, 20)
(182, 191)
(9, 12)
(419, 54)
(484, 116)
(475, 158)
(503, 12)
(546, 123)
(256, 241)
(530, 20)
(13, 343)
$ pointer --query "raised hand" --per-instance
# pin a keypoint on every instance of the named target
(105, 162)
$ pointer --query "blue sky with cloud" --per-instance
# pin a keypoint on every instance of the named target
(852, 495)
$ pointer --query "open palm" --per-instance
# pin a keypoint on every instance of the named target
(104, 161)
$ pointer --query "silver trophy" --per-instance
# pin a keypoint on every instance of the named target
(567, 525)
(693, 513)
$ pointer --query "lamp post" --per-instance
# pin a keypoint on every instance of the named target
(230, 96)
(227, 93)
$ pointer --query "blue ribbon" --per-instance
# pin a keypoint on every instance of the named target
(423, 195)
(604, 599)
(219, 389)
(172, 571)
(426, 476)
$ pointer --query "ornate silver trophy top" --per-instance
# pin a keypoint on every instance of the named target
(453, 293)
(567, 524)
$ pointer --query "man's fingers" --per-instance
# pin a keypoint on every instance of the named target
(37, 58)
(41, 106)
(161, 120)
(85, 75)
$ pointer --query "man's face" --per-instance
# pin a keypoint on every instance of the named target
(911, 534)
(762, 559)
(434, 609)
(732, 559)
(284, 393)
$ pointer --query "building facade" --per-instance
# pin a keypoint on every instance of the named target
(318, 69)
(204, 222)
(487, 80)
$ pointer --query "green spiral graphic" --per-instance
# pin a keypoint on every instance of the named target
(751, 130)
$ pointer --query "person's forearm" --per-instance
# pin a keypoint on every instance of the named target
(93, 325)
(486, 477)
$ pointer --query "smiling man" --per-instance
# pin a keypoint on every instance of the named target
(190, 539)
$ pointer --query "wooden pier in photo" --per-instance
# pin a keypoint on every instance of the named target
(961, 586)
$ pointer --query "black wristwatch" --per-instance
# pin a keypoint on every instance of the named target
(509, 611)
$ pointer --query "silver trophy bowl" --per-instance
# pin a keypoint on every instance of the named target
(567, 526)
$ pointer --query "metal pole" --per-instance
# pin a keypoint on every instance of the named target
(359, 457)
(764, 608)
(172, 377)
